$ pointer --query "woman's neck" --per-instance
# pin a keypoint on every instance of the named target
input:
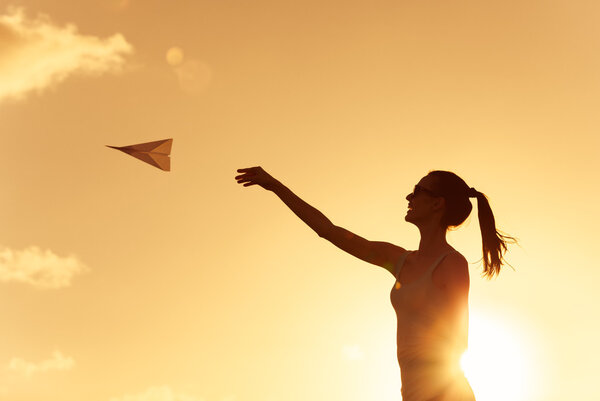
(433, 240)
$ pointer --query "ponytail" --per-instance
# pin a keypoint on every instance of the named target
(456, 194)
(493, 241)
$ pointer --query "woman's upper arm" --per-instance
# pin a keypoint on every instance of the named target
(378, 253)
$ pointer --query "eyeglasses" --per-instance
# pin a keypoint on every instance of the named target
(419, 189)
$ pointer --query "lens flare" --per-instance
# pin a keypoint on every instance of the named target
(174, 56)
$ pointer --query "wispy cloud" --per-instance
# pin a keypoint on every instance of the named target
(35, 53)
(42, 269)
(193, 76)
(57, 362)
(160, 393)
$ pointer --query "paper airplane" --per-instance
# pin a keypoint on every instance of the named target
(155, 153)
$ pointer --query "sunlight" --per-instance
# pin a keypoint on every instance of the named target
(497, 362)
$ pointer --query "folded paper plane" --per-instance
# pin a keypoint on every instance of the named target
(155, 153)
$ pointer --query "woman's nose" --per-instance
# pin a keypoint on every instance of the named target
(408, 197)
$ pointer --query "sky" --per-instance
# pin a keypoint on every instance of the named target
(122, 282)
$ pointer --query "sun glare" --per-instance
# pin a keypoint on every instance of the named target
(497, 362)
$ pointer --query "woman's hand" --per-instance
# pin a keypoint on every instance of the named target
(256, 176)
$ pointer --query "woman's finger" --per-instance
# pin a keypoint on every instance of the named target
(248, 174)
(248, 180)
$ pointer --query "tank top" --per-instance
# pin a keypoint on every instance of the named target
(429, 342)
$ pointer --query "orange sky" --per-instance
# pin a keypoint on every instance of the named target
(120, 282)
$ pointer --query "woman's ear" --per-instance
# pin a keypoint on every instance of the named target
(439, 203)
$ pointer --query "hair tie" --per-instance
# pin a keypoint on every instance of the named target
(472, 193)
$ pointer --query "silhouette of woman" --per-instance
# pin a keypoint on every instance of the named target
(430, 294)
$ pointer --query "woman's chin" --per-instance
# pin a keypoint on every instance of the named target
(410, 217)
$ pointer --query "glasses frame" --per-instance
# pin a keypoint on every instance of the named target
(419, 189)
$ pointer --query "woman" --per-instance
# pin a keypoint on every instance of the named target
(430, 295)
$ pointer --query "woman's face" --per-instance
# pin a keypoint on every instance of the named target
(423, 201)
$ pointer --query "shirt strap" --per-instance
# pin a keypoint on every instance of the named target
(439, 260)
(400, 263)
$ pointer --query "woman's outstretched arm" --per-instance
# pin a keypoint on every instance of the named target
(381, 254)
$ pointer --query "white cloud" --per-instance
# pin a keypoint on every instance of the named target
(57, 362)
(39, 268)
(162, 393)
(35, 53)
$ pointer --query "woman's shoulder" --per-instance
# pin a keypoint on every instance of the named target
(456, 257)
(452, 272)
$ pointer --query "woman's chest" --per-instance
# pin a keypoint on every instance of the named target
(413, 297)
